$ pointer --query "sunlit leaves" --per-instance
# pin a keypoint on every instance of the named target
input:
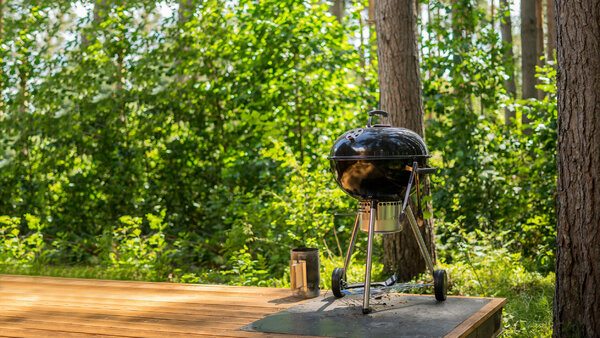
(134, 113)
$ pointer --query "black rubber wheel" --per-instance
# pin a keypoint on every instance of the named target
(337, 282)
(440, 284)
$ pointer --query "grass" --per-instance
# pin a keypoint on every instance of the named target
(497, 273)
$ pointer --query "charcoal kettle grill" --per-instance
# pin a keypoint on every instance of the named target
(380, 166)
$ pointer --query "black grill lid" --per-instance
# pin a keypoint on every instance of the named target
(379, 142)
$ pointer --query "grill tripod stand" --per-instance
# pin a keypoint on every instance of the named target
(338, 280)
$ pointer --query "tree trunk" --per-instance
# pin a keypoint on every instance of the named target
(539, 46)
(337, 9)
(577, 294)
(372, 41)
(185, 11)
(492, 23)
(528, 52)
(401, 95)
(100, 8)
(551, 17)
(507, 41)
(539, 29)
(1, 19)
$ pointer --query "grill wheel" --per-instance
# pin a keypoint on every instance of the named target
(440, 284)
(337, 282)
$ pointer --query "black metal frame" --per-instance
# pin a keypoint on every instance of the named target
(415, 170)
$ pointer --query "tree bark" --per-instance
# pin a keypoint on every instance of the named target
(507, 41)
(539, 46)
(539, 28)
(528, 47)
(529, 52)
(1, 19)
(372, 41)
(401, 96)
(337, 9)
(551, 18)
(577, 293)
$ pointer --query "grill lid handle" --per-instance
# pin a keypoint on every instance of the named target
(380, 113)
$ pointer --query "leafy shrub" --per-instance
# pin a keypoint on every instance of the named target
(26, 249)
(181, 126)
(479, 268)
(494, 177)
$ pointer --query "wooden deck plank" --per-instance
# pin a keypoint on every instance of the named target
(120, 322)
(93, 290)
(137, 313)
(45, 306)
(104, 329)
(26, 286)
(60, 281)
(159, 299)
(176, 308)
(160, 312)
(469, 325)
(36, 333)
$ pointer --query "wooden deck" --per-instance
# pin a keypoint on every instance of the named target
(45, 307)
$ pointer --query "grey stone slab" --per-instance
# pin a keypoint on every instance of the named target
(394, 315)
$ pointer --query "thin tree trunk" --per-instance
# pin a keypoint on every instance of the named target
(100, 8)
(507, 41)
(428, 34)
(1, 41)
(371, 22)
(492, 21)
(462, 32)
(401, 95)
(337, 9)
(539, 28)
(528, 52)
(1, 19)
(577, 294)
(551, 18)
(457, 33)
(185, 11)
(23, 78)
(362, 49)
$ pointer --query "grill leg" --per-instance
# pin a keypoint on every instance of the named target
(352, 242)
(367, 288)
(420, 241)
(351, 247)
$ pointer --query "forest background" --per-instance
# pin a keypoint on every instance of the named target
(187, 141)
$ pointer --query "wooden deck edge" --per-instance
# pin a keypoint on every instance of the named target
(473, 322)
(65, 281)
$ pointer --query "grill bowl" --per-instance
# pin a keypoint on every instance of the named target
(374, 162)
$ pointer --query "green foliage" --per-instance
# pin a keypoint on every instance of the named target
(300, 215)
(138, 144)
(28, 249)
(136, 114)
(483, 270)
(495, 177)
